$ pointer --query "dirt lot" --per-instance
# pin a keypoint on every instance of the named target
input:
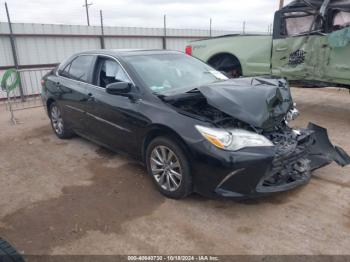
(73, 197)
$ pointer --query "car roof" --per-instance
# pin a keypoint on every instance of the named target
(130, 52)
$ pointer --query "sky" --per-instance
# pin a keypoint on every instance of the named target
(225, 14)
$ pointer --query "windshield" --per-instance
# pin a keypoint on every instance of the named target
(173, 72)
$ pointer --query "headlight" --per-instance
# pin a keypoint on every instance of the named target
(234, 139)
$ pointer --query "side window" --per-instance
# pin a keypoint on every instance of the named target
(79, 68)
(109, 71)
(65, 71)
(341, 20)
(298, 23)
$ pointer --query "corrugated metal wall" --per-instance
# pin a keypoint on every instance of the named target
(42, 45)
(47, 44)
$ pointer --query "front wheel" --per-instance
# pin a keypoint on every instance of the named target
(169, 168)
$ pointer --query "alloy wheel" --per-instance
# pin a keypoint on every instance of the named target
(57, 121)
(166, 168)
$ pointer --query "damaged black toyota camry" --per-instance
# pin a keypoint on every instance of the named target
(195, 130)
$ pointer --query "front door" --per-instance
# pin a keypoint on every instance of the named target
(112, 118)
(297, 40)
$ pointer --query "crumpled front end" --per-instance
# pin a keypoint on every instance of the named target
(259, 101)
(291, 165)
(262, 107)
(296, 154)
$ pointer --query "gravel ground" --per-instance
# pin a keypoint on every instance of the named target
(73, 197)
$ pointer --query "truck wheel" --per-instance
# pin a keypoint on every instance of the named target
(227, 63)
(8, 253)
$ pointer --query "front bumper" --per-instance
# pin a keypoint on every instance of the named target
(260, 171)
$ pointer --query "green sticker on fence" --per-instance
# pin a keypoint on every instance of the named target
(10, 80)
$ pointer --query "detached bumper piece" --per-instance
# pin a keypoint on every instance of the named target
(322, 152)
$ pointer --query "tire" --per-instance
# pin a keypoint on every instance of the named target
(168, 181)
(8, 253)
(58, 123)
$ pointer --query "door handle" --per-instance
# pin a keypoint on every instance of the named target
(281, 49)
(57, 84)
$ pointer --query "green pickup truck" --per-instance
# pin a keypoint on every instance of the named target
(310, 46)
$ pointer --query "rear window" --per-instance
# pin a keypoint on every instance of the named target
(79, 68)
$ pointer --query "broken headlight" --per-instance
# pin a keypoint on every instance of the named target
(234, 139)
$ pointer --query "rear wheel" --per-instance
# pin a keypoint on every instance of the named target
(169, 168)
(57, 122)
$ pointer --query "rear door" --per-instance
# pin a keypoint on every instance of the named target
(295, 52)
(74, 78)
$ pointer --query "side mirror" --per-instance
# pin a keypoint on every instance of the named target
(119, 88)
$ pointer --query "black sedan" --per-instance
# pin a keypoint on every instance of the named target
(193, 128)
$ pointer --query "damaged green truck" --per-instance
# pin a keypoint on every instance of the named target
(309, 46)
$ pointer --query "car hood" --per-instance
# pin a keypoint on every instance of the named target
(260, 102)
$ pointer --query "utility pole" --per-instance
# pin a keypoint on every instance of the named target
(210, 30)
(102, 32)
(269, 29)
(243, 27)
(281, 4)
(87, 11)
(164, 36)
(14, 51)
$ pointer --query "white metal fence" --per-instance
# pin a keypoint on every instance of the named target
(46, 44)
(39, 47)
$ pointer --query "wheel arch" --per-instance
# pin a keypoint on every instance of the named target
(158, 130)
(229, 54)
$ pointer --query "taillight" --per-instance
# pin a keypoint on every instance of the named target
(188, 50)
